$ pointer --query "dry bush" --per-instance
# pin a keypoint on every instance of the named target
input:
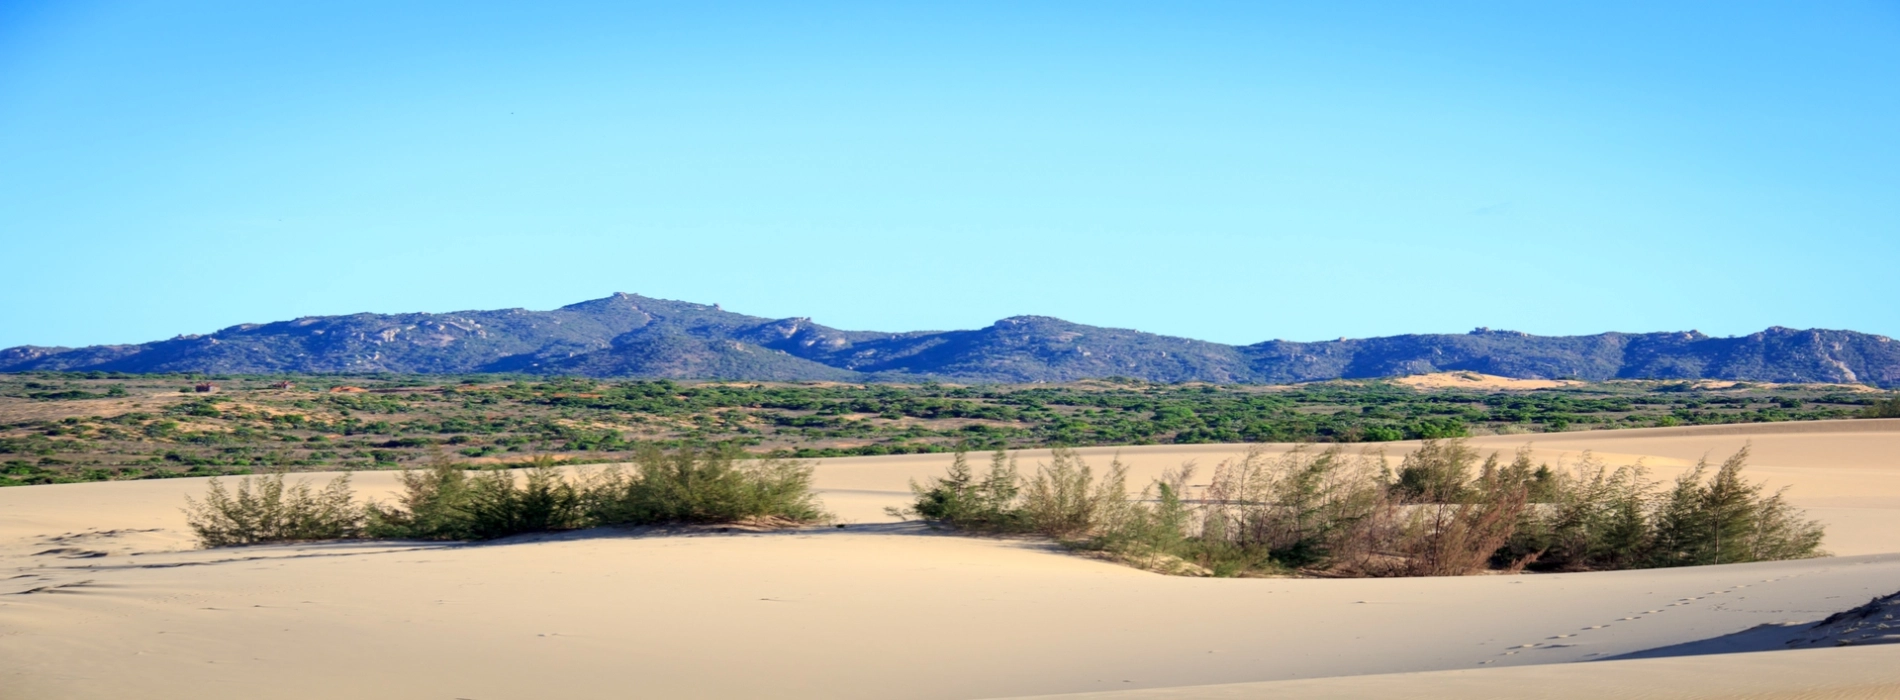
(1457, 539)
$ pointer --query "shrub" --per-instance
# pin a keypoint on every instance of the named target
(1889, 408)
(1443, 538)
(701, 486)
(960, 500)
(1383, 433)
(1338, 514)
(432, 505)
(1155, 538)
(1728, 520)
(265, 509)
(1592, 518)
(1598, 518)
(1301, 508)
(444, 502)
(500, 504)
(1064, 499)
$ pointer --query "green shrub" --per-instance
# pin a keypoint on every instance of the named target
(1383, 433)
(431, 506)
(1598, 518)
(265, 509)
(1064, 499)
(1592, 518)
(1155, 537)
(960, 500)
(499, 503)
(1436, 473)
(1889, 408)
(1727, 520)
(701, 486)
(446, 502)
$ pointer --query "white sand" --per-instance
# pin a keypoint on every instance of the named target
(883, 610)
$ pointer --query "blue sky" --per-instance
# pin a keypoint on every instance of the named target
(1227, 171)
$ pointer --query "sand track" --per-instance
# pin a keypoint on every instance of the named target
(101, 596)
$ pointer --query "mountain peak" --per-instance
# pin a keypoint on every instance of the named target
(1030, 321)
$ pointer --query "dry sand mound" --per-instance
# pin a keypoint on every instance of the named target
(101, 596)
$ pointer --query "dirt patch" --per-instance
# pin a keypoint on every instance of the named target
(22, 410)
(1484, 382)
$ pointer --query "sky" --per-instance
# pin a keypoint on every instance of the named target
(1235, 172)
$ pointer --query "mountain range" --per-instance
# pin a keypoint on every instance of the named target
(627, 335)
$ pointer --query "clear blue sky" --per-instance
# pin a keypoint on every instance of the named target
(1228, 171)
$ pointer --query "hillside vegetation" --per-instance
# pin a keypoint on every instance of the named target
(89, 426)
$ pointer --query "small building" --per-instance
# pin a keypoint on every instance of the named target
(205, 387)
(282, 385)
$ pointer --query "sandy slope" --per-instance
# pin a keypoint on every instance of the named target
(1834, 674)
(101, 597)
(1481, 382)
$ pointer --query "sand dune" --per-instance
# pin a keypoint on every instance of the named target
(101, 596)
(1483, 382)
(1843, 674)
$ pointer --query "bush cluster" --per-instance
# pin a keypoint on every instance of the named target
(265, 509)
(1445, 511)
(1883, 408)
(445, 501)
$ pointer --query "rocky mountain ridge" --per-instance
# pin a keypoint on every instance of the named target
(627, 335)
